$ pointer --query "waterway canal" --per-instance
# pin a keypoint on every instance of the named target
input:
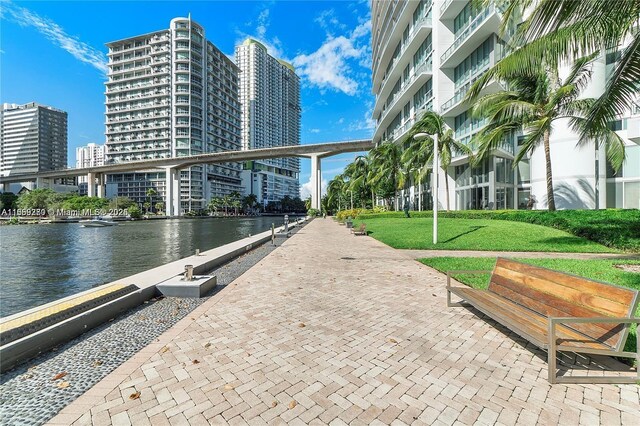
(42, 263)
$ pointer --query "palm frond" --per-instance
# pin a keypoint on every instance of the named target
(621, 89)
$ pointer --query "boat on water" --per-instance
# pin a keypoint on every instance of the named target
(98, 222)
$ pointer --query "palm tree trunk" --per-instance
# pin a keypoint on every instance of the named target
(373, 200)
(547, 156)
(419, 195)
(446, 187)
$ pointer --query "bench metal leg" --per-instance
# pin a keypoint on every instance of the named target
(552, 364)
(551, 358)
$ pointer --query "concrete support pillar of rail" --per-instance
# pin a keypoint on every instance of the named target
(101, 182)
(316, 181)
(6, 187)
(172, 192)
(91, 184)
(40, 183)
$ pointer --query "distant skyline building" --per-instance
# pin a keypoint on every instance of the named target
(90, 155)
(270, 99)
(426, 56)
(33, 138)
(172, 93)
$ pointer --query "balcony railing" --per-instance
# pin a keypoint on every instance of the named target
(425, 66)
(470, 128)
(445, 6)
(465, 32)
(461, 92)
(412, 33)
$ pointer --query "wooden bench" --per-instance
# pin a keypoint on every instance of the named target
(557, 312)
(362, 230)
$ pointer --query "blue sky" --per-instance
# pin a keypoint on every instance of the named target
(53, 52)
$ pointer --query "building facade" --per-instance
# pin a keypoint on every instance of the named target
(270, 98)
(91, 155)
(172, 93)
(33, 138)
(426, 55)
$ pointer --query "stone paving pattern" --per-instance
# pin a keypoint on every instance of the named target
(336, 329)
(28, 396)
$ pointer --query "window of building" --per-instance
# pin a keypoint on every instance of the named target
(464, 18)
(524, 172)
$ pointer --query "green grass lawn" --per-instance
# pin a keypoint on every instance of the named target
(601, 270)
(476, 234)
(616, 228)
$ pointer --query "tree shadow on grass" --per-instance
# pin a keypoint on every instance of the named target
(471, 229)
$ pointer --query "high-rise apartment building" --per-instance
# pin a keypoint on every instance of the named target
(33, 139)
(172, 93)
(426, 55)
(270, 98)
(91, 155)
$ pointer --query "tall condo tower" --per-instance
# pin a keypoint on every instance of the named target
(270, 98)
(33, 139)
(426, 56)
(91, 155)
(172, 93)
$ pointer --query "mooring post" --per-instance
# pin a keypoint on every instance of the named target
(273, 234)
(197, 252)
(188, 272)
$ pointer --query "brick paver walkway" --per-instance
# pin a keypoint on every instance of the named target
(332, 328)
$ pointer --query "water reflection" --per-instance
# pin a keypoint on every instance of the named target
(41, 263)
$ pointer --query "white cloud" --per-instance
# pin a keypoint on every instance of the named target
(54, 33)
(314, 130)
(366, 123)
(263, 21)
(305, 189)
(328, 21)
(329, 67)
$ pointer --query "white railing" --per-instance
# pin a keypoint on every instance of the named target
(466, 31)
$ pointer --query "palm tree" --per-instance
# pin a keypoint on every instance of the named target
(561, 31)
(415, 158)
(433, 123)
(226, 202)
(250, 201)
(215, 204)
(151, 192)
(234, 201)
(386, 165)
(335, 190)
(359, 179)
(532, 103)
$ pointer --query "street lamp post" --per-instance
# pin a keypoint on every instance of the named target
(422, 136)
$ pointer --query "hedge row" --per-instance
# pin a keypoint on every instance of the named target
(614, 228)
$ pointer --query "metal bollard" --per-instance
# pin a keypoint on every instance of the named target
(188, 272)
(286, 223)
(197, 252)
(273, 234)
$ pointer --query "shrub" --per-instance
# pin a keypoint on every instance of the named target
(313, 212)
(345, 214)
(134, 212)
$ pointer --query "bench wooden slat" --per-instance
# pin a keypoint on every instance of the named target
(604, 298)
(525, 321)
(552, 306)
